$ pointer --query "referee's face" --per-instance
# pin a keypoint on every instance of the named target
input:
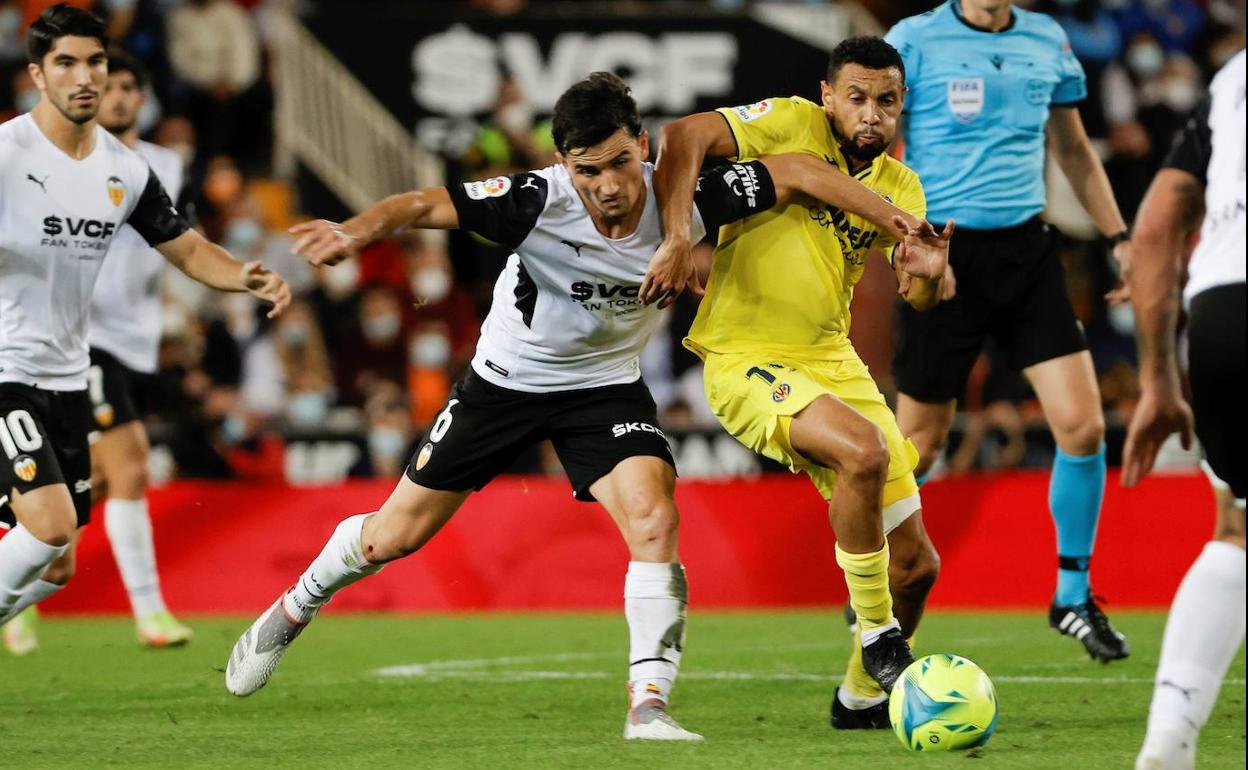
(863, 106)
(72, 76)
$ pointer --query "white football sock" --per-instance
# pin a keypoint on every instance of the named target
(857, 703)
(34, 593)
(655, 595)
(1203, 633)
(339, 564)
(130, 533)
(23, 558)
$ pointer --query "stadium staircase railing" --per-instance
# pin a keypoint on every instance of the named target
(328, 121)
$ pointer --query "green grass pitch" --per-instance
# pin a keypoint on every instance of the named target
(546, 691)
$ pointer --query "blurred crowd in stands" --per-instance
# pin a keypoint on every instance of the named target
(372, 346)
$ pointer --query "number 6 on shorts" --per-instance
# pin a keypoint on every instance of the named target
(443, 423)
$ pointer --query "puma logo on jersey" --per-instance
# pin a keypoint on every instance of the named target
(530, 183)
(39, 182)
(574, 246)
(91, 228)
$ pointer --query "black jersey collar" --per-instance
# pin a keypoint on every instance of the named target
(956, 7)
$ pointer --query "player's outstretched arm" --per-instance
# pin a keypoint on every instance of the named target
(684, 144)
(213, 266)
(794, 172)
(1170, 210)
(322, 242)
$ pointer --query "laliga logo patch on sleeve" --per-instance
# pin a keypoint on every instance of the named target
(748, 112)
(490, 188)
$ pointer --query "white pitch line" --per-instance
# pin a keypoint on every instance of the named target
(483, 670)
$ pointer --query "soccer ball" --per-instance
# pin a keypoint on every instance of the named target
(943, 703)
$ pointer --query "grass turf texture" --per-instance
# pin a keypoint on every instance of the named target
(757, 685)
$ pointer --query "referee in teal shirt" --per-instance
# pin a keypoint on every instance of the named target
(990, 85)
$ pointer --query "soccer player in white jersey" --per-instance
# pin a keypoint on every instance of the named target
(66, 187)
(558, 360)
(124, 336)
(1201, 185)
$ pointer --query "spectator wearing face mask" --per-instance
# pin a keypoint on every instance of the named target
(376, 351)
(1166, 99)
(390, 431)
(247, 235)
(304, 365)
(428, 381)
(335, 300)
(438, 300)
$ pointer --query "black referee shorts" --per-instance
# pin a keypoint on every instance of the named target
(483, 428)
(1216, 353)
(1011, 287)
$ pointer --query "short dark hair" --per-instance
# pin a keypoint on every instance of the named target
(61, 20)
(592, 110)
(121, 61)
(867, 51)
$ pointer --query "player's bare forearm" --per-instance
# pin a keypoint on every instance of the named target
(204, 261)
(323, 243)
(1083, 169)
(1170, 210)
(684, 144)
(821, 180)
(429, 209)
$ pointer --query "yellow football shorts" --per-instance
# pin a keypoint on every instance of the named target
(755, 398)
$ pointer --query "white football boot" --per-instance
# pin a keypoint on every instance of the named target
(649, 721)
(258, 651)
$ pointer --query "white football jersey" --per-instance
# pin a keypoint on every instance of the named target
(58, 217)
(565, 312)
(125, 309)
(1219, 257)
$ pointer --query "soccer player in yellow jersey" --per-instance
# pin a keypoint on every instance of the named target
(780, 372)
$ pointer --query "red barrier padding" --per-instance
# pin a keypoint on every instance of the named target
(525, 543)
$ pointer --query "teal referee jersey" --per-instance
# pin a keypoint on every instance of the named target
(977, 108)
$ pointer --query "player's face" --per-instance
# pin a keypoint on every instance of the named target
(608, 175)
(72, 76)
(121, 103)
(863, 106)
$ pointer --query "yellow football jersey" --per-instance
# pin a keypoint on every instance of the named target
(782, 280)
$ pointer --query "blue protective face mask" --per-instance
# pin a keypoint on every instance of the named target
(386, 442)
(1145, 59)
(234, 429)
(243, 233)
(307, 408)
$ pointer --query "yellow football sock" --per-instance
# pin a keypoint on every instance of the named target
(866, 575)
